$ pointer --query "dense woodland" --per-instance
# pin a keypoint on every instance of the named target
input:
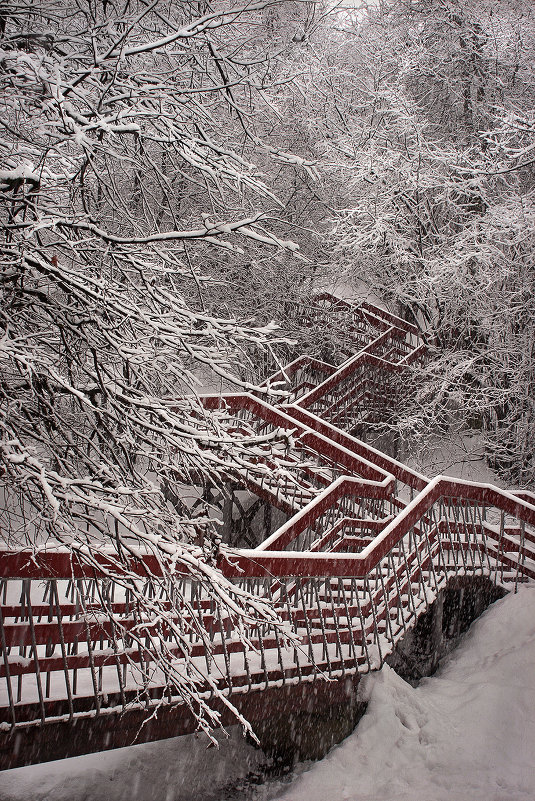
(176, 176)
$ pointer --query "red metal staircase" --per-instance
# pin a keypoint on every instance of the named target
(368, 546)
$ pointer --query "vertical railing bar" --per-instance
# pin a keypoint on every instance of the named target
(456, 515)
(442, 517)
(247, 666)
(144, 661)
(398, 588)
(81, 596)
(349, 618)
(26, 585)
(115, 646)
(293, 623)
(388, 619)
(54, 592)
(263, 664)
(426, 533)
(326, 654)
(375, 625)
(501, 544)
(409, 575)
(484, 539)
(307, 623)
(521, 559)
(224, 646)
(277, 635)
(336, 619)
(469, 533)
(452, 550)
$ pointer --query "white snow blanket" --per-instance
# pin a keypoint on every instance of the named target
(465, 734)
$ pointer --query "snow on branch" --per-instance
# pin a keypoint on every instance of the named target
(119, 147)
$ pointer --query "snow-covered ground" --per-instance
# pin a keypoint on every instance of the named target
(466, 734)
(181, 769)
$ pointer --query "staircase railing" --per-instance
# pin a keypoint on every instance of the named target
(369, 546)
(312, 463)
(451, 528)
(348, 609)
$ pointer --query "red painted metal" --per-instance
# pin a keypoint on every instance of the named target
(369, 311)
(50, 564)
(301, 363)
(356, 446)
(365, 564)
(257, 563)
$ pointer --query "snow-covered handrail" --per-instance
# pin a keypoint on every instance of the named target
(328, 594)
(264, 561)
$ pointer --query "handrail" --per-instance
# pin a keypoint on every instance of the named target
(401, 471)
(343, 486)
(258, 563)
(525, 495)
(389, 317)
(287, 372)
(62, 563)
(356, 463)
(347, 599)
(261, 561)
(393, 319)
(349, 367)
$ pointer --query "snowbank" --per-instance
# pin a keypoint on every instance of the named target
(180, 769)
(466, 734)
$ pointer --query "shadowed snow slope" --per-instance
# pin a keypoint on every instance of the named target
(180, 769)
(466, 733)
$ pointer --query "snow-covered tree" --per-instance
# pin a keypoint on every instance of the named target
(116, 169)
(435, 157)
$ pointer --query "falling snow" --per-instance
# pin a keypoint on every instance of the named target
(466, 733)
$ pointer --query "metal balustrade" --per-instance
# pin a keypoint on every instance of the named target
(74, 643)
(364, 387)
(312, 462)
(300, 376)
(369, 545)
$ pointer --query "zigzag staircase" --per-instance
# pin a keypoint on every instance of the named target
(368, 546)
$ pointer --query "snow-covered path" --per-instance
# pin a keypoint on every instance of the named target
(466, 734)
